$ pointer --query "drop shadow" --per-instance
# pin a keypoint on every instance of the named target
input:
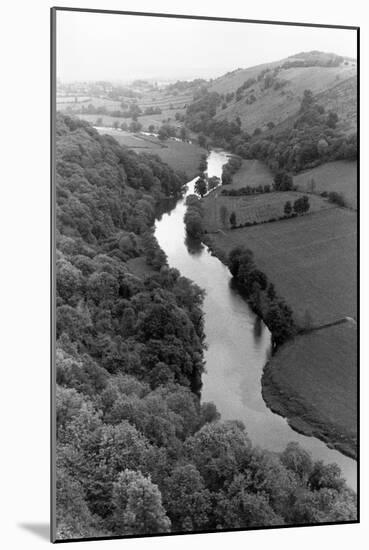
(42, 530)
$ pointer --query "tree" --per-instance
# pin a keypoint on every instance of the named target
(240, 256)
(73, 518)
(213, 182)
(299, 461)
(200, 186)
(137, 506)
(219, 451)
(183, 133)
(240, 508)
(301, 205)
(233, 219)
(326, 476)
(186, 499)
(288, 208)
(203, 165)
(283, 181)
(336, 198)
(307, 100)
(279, 319)
(332, 119)
(135, 126)
(226, 176)
(162, 134)
(202, 140)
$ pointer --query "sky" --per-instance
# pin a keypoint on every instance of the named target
(99, 46)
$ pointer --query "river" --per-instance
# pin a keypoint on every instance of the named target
(238, 342)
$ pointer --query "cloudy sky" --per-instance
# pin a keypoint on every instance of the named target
(93, 46)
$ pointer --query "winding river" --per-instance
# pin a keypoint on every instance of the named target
(238, 341)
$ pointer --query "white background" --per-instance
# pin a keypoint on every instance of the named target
(24, 288)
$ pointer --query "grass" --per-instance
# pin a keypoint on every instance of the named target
(278, 105)
(253, 173)
(340, 176)
(318, 372)
(311, 260)
(181, 156)
(253, 208)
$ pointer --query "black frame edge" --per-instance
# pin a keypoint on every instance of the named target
(52, 276)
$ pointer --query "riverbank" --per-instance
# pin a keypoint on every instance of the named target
(311, 380)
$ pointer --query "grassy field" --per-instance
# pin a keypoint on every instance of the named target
(253, 173)
(181, 156)
(253, 208)
(340, 176)
(311, 260)
(318, 372)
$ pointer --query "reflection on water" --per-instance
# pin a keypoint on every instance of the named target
(239, 343)
(194, 246)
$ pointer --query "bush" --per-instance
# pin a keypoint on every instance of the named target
(336, 198)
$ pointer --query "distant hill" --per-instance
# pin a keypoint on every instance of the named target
(272, 92)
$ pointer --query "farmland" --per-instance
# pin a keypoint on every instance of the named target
(181, 156)
(168, 103)
(155, 120)
(339, 176)
(253, 208)
(69, 104)
(310, 259)
(318, 372)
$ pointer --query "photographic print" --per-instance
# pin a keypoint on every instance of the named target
(204, 244)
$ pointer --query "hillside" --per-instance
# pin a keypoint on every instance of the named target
(273, 92)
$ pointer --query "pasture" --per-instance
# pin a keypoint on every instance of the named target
(311, 260)
(318, 372)
(252, 173)
(181, 156)
(339, 176)
(252, 208)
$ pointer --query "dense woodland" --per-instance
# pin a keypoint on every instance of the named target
(137, 450)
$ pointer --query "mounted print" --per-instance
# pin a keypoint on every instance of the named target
(204, 246)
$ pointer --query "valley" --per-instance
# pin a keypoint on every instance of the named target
(269, 156)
